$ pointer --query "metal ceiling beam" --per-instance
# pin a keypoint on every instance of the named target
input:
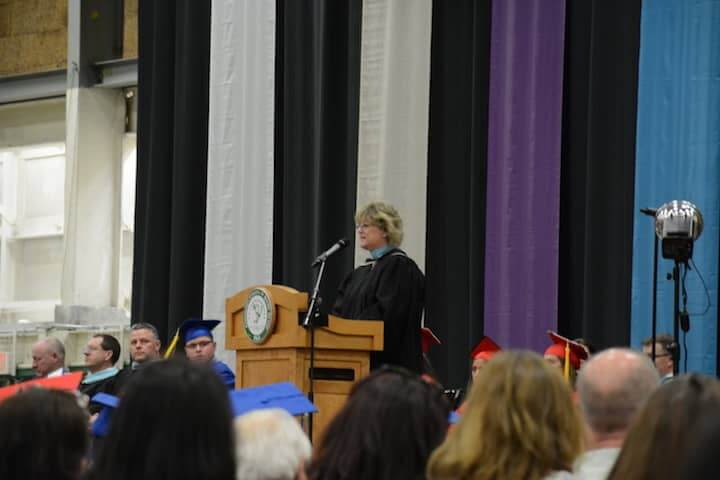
(33, 86)
(117, 73)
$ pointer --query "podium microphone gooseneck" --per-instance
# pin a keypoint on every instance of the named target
(312, 318)
(337, 246)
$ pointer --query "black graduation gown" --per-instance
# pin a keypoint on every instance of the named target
(391, 289)
(106, 385)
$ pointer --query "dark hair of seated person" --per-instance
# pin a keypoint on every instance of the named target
(173, 422)
(703, 455)
(386, 430)
(43, 435)
(658, 439)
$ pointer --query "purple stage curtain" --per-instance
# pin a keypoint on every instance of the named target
(523, 171)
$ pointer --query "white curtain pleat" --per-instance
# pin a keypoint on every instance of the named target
(239, 231)
(394, 104)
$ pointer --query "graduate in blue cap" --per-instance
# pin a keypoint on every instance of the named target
(196, 335)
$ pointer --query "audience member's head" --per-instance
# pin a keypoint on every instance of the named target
(665, 349)
(658, 439)
(173, 422)
(101, 352)
(703, 451)
(270, 445)
(386, 430)
(48, 355)
(144, 343)
(612, 387)
(43, 435)
(520, 424)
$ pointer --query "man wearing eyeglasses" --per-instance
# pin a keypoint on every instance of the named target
(197, 337)
(101, 353)
(664, 355)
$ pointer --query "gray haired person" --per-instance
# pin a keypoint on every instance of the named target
(612, 388)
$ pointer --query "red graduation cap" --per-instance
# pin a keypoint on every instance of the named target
(570, 352)
(428, 339)
(69, 381)
(485, 349)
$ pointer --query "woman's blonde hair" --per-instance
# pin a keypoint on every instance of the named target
(385, 217)
(520, 423)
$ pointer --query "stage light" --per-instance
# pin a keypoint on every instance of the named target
(678, 224)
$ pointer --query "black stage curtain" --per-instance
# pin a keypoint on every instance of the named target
(316, 123)
(598, 168)
(173, 92)
(457, 159)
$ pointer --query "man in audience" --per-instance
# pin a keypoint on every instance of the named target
(48, 357)
(270, 445)
(196, 335)
(144, 349)
(144, 344)
(612, 387)
(102, 352)
(665, 349)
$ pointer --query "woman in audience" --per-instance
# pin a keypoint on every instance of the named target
(521, 425)
(43, 435)
(390, 424)
(659, 438)
(174, 422)
(703, 452)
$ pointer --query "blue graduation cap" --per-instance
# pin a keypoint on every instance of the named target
(283, 395)
(101, 426)
(193, 328)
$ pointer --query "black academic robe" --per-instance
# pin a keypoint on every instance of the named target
(391, 289)
(106, 385)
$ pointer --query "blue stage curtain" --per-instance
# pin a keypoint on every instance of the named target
(678, 141)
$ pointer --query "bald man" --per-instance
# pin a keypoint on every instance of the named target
(612, 387)
(48, 357)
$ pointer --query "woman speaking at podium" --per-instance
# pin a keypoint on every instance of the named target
(389, 287)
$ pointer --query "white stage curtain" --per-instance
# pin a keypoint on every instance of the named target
(394, 102)
(93, 171)
(239, 232)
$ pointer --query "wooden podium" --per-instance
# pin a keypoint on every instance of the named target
(342, 350)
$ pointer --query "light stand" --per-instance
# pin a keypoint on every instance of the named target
(676, 317)
(652, 212)
(678, 223)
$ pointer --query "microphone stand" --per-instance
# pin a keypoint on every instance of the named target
(312, 320)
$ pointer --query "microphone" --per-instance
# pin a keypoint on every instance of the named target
(650, 212)
(337, 246)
